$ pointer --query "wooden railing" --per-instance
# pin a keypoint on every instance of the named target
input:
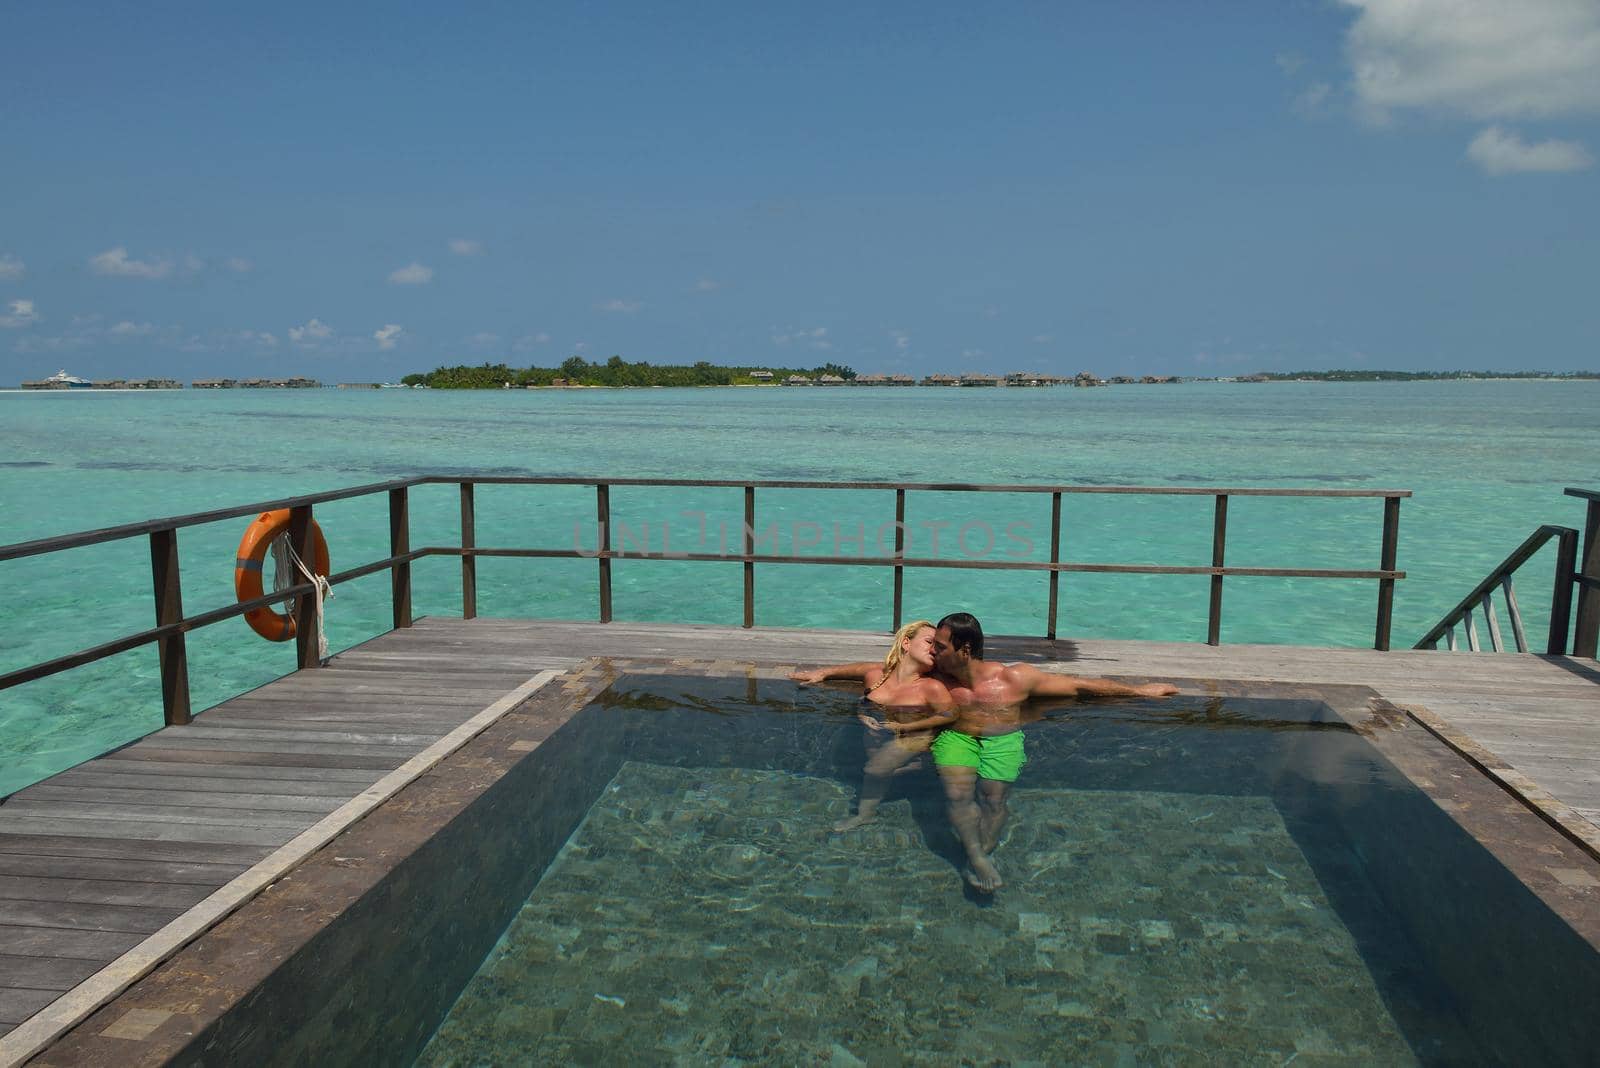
(172, 625)
(1568, 575)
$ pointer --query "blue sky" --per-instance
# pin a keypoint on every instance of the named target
(355, 191)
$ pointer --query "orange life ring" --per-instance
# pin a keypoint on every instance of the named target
(253, 547)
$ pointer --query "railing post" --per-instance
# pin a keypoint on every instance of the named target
(469, 564)
(1518, 635)
(1561, 595)
(1055, 558)
(305, 605)
(1219, 541)
(400, 543)
(169, 609)
(602, 503)
(899, 554)
(1391, 544)
(1586, 637)
(749, 550)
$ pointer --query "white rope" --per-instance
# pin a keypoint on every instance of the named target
(285, 562)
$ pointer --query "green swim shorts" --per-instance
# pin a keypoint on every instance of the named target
(998, 757)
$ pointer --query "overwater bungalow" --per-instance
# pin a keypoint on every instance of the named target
(982, 380)
(214, 383)
(941, 380)
(798, 380)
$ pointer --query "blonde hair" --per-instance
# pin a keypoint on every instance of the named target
(895, 651)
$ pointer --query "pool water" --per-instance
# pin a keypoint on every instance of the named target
(1230, 880)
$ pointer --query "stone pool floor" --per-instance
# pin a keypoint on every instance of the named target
(709, 916)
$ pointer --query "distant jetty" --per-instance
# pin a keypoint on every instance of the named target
(256, 383)
(62, 380)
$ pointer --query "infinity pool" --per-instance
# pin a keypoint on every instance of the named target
(1238, 880)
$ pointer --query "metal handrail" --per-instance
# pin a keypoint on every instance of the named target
(1480, 598)
(172, 624)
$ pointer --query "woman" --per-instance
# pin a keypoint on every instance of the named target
(913, 706)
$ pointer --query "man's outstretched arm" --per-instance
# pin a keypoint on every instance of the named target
(1049, 684)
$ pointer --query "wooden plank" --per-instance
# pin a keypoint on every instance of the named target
(144, 919)
(223, 732)
(187, 738)
(101, 847)
(286, 703)
(102, 891)
(170, 754)
(395, 722)
(137, 831)
(197, 768)
(154, 871)
(45, 973)
(58, 942)
(170, 785)
(191, 815)
(17, 1005)
(246, 798)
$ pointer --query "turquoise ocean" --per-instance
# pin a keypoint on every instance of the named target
(1486, 460)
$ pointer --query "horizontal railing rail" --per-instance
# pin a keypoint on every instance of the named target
(172, 624)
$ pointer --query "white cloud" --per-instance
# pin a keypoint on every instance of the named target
(388, 335)
(707, 285)
(1043, 339)
(1289, 62)
(902, 340)
(115, 262)
(618, 305)
(239, 265)
(528, 341)
(11, 268)
(314, 331)
(412, 274)
(128, 328)
(1501, 151)
(21, 314)
(462, 246)
(191, 262)
(483, 338)
(1484, 59)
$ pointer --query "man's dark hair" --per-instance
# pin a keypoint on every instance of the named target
(965, 633)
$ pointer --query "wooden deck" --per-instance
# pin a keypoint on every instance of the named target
(137, 844)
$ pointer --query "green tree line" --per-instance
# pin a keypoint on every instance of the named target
(576, 371)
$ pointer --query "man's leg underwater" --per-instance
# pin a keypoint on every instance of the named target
(964, 819)
(992, 812)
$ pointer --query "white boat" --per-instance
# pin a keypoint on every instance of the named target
(61, 378)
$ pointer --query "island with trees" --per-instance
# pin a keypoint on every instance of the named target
(576, 371)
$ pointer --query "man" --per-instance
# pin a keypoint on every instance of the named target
(980, 755)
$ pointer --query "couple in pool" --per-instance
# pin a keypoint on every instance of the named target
(935, 693)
